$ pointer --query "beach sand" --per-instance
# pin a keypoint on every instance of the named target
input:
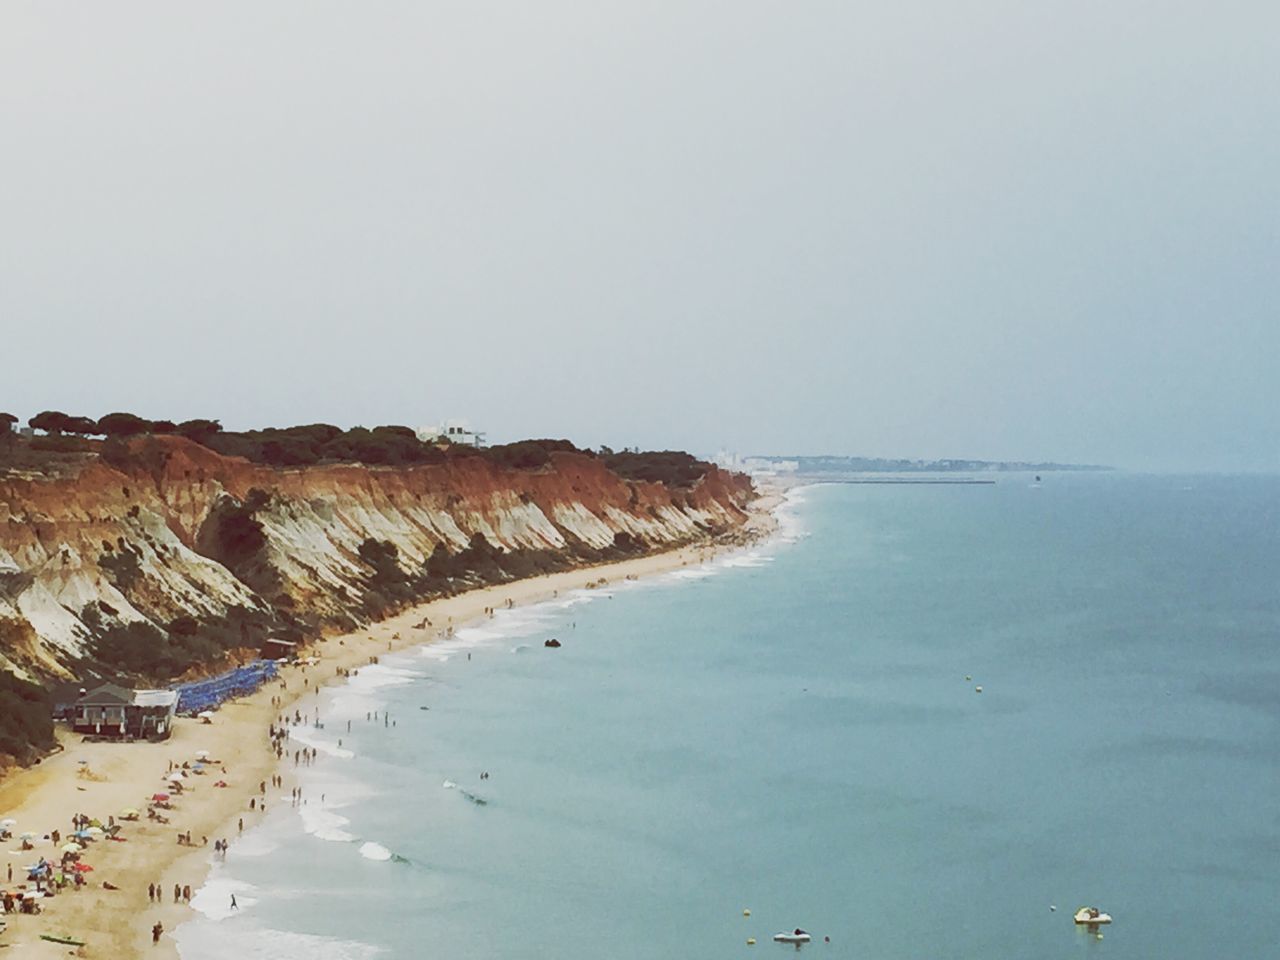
(113, 776)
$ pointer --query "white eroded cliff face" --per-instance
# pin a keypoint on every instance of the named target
(180, 534)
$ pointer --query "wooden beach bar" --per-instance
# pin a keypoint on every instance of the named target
(113, 711)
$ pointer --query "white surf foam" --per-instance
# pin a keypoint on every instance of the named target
(790, 528)
(695, 573)
(507, 625)
(205, 940)
(318, 740)
(748, 560)
(213, 900)
(374, 851)
(325, 824)
(362, 693)
(257, 842)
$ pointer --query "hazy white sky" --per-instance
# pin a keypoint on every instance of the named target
(1006, 229)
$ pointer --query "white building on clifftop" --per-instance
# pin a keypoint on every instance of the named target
(454, 431)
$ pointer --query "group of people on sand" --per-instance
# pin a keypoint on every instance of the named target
(181, 893)
(60, 870)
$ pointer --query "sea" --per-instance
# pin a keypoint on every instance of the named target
(925, 722)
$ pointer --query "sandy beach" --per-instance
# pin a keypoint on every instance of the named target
(103, 779)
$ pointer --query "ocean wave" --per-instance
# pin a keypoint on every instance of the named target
(257, 842)
(472, 636)
(748, 560)
(504, 626)
(696, 573)
(325, 824)
(374, 851)
(574, 600)
(213, 900)
(202, 940)
(475, 798)
(790, 527)
(316, 739)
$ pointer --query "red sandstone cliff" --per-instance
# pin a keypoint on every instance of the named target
(179, 537)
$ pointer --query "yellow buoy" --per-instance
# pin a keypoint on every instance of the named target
(746, 913)
(751, 941)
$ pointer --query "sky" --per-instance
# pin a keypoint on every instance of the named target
(1002, 229)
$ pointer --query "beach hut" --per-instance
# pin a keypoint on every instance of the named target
(113, 711)
(277, 649)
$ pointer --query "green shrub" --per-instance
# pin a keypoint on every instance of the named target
(26, 719)
(673, 468)
(122, 568)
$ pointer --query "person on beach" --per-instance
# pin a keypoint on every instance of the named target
(156, 931)
(186, 894)
(177, 893)
(151, 890)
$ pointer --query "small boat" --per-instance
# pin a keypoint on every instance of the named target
(795, 936)
(1092, 915)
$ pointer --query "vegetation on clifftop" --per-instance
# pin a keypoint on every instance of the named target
(316, 443)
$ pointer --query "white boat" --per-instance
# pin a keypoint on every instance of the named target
(1092, 915)
(795, 936)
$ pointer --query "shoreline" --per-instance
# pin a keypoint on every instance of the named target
(117, 923)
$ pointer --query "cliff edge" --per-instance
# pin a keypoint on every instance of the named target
(167, 556)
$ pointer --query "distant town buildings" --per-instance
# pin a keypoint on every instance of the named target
(454, 431)
(763, 466)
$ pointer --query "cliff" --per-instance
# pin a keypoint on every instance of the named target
(171, 555)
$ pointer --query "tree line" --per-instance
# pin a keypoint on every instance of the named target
(112, 425)
(387, 445)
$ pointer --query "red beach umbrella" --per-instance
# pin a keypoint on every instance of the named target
(159, 797)
(82, 867)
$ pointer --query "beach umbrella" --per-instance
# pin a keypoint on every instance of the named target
(129, 812)
(82, 867)
(82, 833)
(176, 775)
(26, 836)
(202, 754)
(94, 832)
(8, 824)
(159, 797)
(205, 714)
(71, 847)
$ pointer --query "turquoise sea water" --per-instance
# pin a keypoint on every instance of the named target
(792, 732)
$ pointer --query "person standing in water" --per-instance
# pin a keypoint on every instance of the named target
(234, 905)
